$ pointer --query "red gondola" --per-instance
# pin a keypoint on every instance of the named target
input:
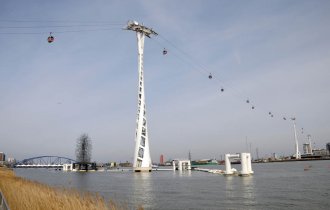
(50, 39)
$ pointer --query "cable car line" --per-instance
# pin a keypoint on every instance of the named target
(62, 21)
(203, 69)
(106, 26)
(211, 76)
(53, 26)
(179, 57)
(58, 32)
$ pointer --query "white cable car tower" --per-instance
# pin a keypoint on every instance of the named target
(142, 160)
(296, 139)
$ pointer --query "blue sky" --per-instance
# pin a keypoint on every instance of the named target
(274, 53)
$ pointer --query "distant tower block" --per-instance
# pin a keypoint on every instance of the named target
(142, 160)
(161, 161)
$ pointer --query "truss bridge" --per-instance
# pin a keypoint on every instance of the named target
(44, 162)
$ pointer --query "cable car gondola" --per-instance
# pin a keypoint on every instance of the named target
(164, 51)
(222, 89)
(210, 76)
(50, 39)
(252, 107)
(247, 101)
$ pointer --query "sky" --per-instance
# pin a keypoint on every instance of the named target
(273, 53)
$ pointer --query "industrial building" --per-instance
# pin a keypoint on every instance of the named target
(2, 158)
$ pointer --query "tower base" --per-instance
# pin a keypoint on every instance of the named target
(142, 169)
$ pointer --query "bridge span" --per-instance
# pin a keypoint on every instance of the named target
(44, 162)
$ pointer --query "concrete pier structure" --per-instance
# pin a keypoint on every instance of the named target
(182, 165)
(246, 166)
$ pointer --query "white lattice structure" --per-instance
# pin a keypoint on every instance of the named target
(142, 159)
(297, 153)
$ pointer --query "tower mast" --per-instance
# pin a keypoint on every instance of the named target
(142, 160)
(296, 139)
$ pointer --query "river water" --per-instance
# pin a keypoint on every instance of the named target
(273, 186)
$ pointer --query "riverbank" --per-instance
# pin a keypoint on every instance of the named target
(291, 160)
(23, 194)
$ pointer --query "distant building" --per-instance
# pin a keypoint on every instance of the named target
(2, 156)
(328, 148)
(113, 164)
(274, 156)
(307, 147)
(127, 164)
(168, 163)
(161, 161)
(11, 160)
(320, 152)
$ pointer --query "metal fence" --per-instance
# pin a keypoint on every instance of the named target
(3, 203)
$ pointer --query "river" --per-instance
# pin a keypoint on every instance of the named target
(283, 185)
